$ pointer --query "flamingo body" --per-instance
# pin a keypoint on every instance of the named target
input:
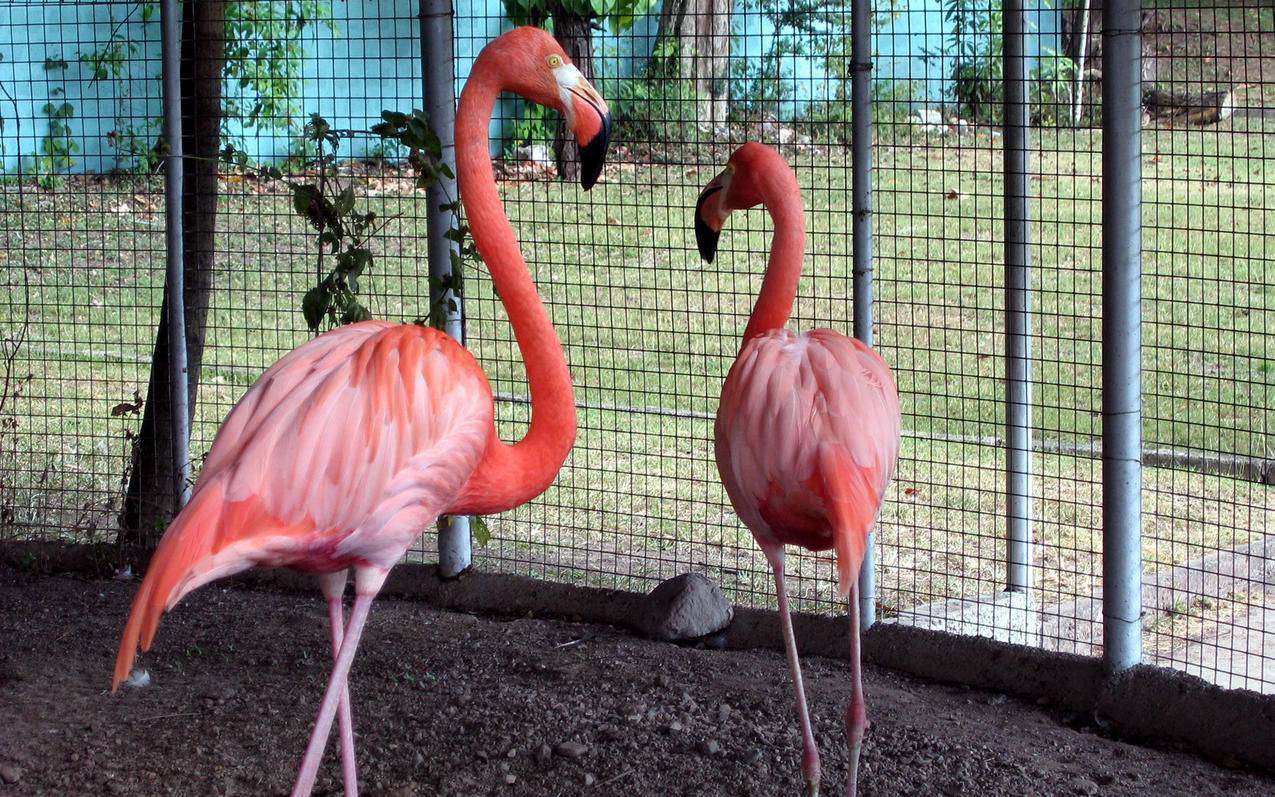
(806, 439)
(338, 456)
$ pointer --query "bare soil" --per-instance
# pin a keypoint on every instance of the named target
(454, 704)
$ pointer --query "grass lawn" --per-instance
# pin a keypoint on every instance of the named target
(650, 331)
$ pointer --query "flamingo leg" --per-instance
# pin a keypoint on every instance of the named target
(809, 750)
(336, 687)
(333, 585)
(856, 712)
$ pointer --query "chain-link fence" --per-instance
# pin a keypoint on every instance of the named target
(650, 329)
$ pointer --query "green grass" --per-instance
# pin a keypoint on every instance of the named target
(650, 331)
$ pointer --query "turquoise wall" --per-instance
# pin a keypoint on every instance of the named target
(371, 62)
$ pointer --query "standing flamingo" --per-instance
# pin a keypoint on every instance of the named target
(349, 447)
(807, 431)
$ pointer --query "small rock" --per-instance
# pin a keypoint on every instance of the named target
(997, 700)
(685, 607)
(723, 712)
(753, 758)
(571, 749)
(589, 779)
(10, 773)
(709, 747)
(511, 779)
(674, 727)
(544, 755)
(512, 753)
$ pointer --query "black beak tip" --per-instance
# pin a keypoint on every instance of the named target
(594, 154)
(705, 236)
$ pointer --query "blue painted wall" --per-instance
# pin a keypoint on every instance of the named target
(371, 62)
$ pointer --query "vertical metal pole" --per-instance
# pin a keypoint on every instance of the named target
(861, 227)
(1122, 333)
(175, 282)
(1018, 408)
(438, 66)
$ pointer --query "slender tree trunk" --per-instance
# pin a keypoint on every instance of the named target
(576, 37)
(701, 30)
(149, 501)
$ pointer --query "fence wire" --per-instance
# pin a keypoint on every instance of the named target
(650, 330)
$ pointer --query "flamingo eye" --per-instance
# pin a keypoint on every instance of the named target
(554, 61)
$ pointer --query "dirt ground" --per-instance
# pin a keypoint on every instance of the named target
(452, 704)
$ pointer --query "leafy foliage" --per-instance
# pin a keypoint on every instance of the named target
(619, 15)
(425, 156)
(134, 141)
(344, 234)
(264, 55)
(58, 146)
(1053, 81)
(658, 105)
(805, 29)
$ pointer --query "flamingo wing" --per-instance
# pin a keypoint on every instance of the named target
(807, 437)
(339, 455)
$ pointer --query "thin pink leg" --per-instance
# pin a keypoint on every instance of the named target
(336, 685)
(809, 750)
(333, 590)
(856, 712)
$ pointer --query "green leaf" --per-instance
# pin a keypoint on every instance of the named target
(478, 527)
(315, 305)
(355, 313)
(345, 201)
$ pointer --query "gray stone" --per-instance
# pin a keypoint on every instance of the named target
(10, 773)
(571, 749)
(685, 607)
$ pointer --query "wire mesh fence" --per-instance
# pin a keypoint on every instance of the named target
(650, 330)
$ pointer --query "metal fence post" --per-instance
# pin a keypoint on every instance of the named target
(175, 276)
(1122, 333)
(861, 242)
(438, 67)
(1018, 344)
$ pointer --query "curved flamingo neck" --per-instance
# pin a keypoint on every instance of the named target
(510, 475)
(782, 198)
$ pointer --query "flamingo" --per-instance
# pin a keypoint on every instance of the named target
(349, 447)
(807, 431)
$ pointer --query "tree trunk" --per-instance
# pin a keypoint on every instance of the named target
(698, 31)
(576, 37)
(149, 501)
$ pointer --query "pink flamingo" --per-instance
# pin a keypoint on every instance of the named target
(808, 426)
(349, 447)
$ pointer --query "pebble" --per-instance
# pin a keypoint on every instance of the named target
(709, 747)
(723, 712)
(571, 749)
(544, 755)
(10, 774)
(511, 779)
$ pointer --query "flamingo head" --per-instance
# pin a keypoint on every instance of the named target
(753, 173)
(536, 67)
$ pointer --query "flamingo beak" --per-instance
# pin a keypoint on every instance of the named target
(590, 119)
(708, 220)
